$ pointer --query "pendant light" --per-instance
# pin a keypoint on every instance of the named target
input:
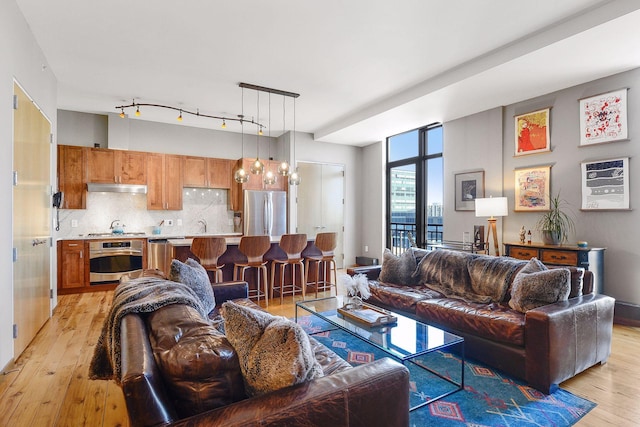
(240, 176)
(257, 167)
(269, 177)
(294, 178)
(283, 167)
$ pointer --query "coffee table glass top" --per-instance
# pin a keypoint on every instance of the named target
(404, 339)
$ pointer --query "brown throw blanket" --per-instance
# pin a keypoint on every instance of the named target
(142, 295)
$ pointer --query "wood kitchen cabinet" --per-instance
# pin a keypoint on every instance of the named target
(164, 181)
(203, 172)
(72, 176)
(73, 266)
(116, 166)
(569, 255)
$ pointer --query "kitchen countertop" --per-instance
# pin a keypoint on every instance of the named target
(231, 240)
(150, 236)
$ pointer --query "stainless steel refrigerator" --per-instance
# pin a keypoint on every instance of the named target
(265, 212)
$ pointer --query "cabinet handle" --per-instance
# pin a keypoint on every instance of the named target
(81, 254)
(72, 244)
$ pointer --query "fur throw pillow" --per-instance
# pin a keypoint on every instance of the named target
(274, 352)
(195, 276)
(535, 285)
(399, 269)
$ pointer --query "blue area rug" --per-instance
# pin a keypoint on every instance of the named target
(489, 398)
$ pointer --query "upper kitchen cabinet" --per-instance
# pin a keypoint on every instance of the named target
(164, 181)
(116, 166)
(202, 172)
(72, 176)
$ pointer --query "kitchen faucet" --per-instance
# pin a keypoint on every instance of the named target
(203, 222)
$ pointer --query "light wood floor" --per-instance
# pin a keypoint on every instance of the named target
(48, 384)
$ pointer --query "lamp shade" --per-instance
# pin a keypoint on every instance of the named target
(492, 206)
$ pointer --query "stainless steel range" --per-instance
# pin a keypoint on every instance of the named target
(111, 259)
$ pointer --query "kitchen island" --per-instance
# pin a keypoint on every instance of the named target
(180, 249)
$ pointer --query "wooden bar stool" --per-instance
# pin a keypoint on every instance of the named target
(292, 245)
(254, 248)
(208, 250)
(327, 243)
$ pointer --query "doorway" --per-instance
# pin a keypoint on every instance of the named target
(321, 202)
(31, 219)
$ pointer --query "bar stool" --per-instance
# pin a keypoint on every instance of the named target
(292, 245)
(208, 250)
(327, 243)
(254, 248)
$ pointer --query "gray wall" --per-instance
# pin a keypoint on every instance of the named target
(614, 230)
(23, 60)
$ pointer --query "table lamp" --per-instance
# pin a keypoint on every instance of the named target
(492, 207)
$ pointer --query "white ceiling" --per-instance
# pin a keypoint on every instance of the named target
(365, 69)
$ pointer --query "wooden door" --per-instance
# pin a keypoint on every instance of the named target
(131, 167)
(219, 173)
(155, 181)
(195, 172)
(173, 182)
(72, 176)
(101, 165)
(31, 220)
(71, 264)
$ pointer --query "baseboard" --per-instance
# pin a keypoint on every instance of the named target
(626, 314)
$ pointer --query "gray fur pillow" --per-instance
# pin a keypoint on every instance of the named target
(398, 269)
(195, 276)
(535, 286)
(274, 352)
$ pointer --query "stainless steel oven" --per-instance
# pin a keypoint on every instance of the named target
(111, 259)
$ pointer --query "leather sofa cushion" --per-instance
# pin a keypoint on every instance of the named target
(400, 297)
(197, 363)
(493, 321)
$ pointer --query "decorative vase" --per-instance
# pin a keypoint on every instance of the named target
(551, 237)
(353, 302)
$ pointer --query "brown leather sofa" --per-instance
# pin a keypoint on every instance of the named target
(374, 394)
(543, 346)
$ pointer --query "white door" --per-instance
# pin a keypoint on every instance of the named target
(321, 202)
(31, 220)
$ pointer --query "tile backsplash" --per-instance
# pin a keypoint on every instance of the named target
(198, 204)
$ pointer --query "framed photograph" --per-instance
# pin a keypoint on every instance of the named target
(603, 118)
(532, 188)
(469, 186)
(532, 132)
(605, 184)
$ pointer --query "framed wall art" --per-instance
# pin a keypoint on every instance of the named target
(603, 118)
(532, 188)
(469, 186)
(605, 184)
(532, 132)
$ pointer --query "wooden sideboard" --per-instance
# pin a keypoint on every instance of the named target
(590, 258)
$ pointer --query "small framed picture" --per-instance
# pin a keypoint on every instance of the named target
(603, 118)
(469, 186)
(532, 132)
(605, 184)
(532, 188)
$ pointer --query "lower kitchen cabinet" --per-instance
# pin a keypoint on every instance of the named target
(73, 266)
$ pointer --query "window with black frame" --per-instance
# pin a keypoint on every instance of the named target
(414, 188)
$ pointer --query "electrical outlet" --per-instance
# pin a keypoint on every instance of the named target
(168, 222)
(179, 222)
(230, 222)
(74, 223)
(366, 248)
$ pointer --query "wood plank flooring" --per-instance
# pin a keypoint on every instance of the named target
(49, 386)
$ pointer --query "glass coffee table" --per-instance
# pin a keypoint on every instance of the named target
(406, 339)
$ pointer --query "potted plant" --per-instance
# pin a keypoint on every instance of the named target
(555, 225)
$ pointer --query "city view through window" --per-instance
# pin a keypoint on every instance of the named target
(414, 188)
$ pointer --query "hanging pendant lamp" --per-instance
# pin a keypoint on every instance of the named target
(240, 175)
(257, 167)
(294, 178)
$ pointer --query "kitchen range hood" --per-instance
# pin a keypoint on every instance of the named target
(117, 188)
